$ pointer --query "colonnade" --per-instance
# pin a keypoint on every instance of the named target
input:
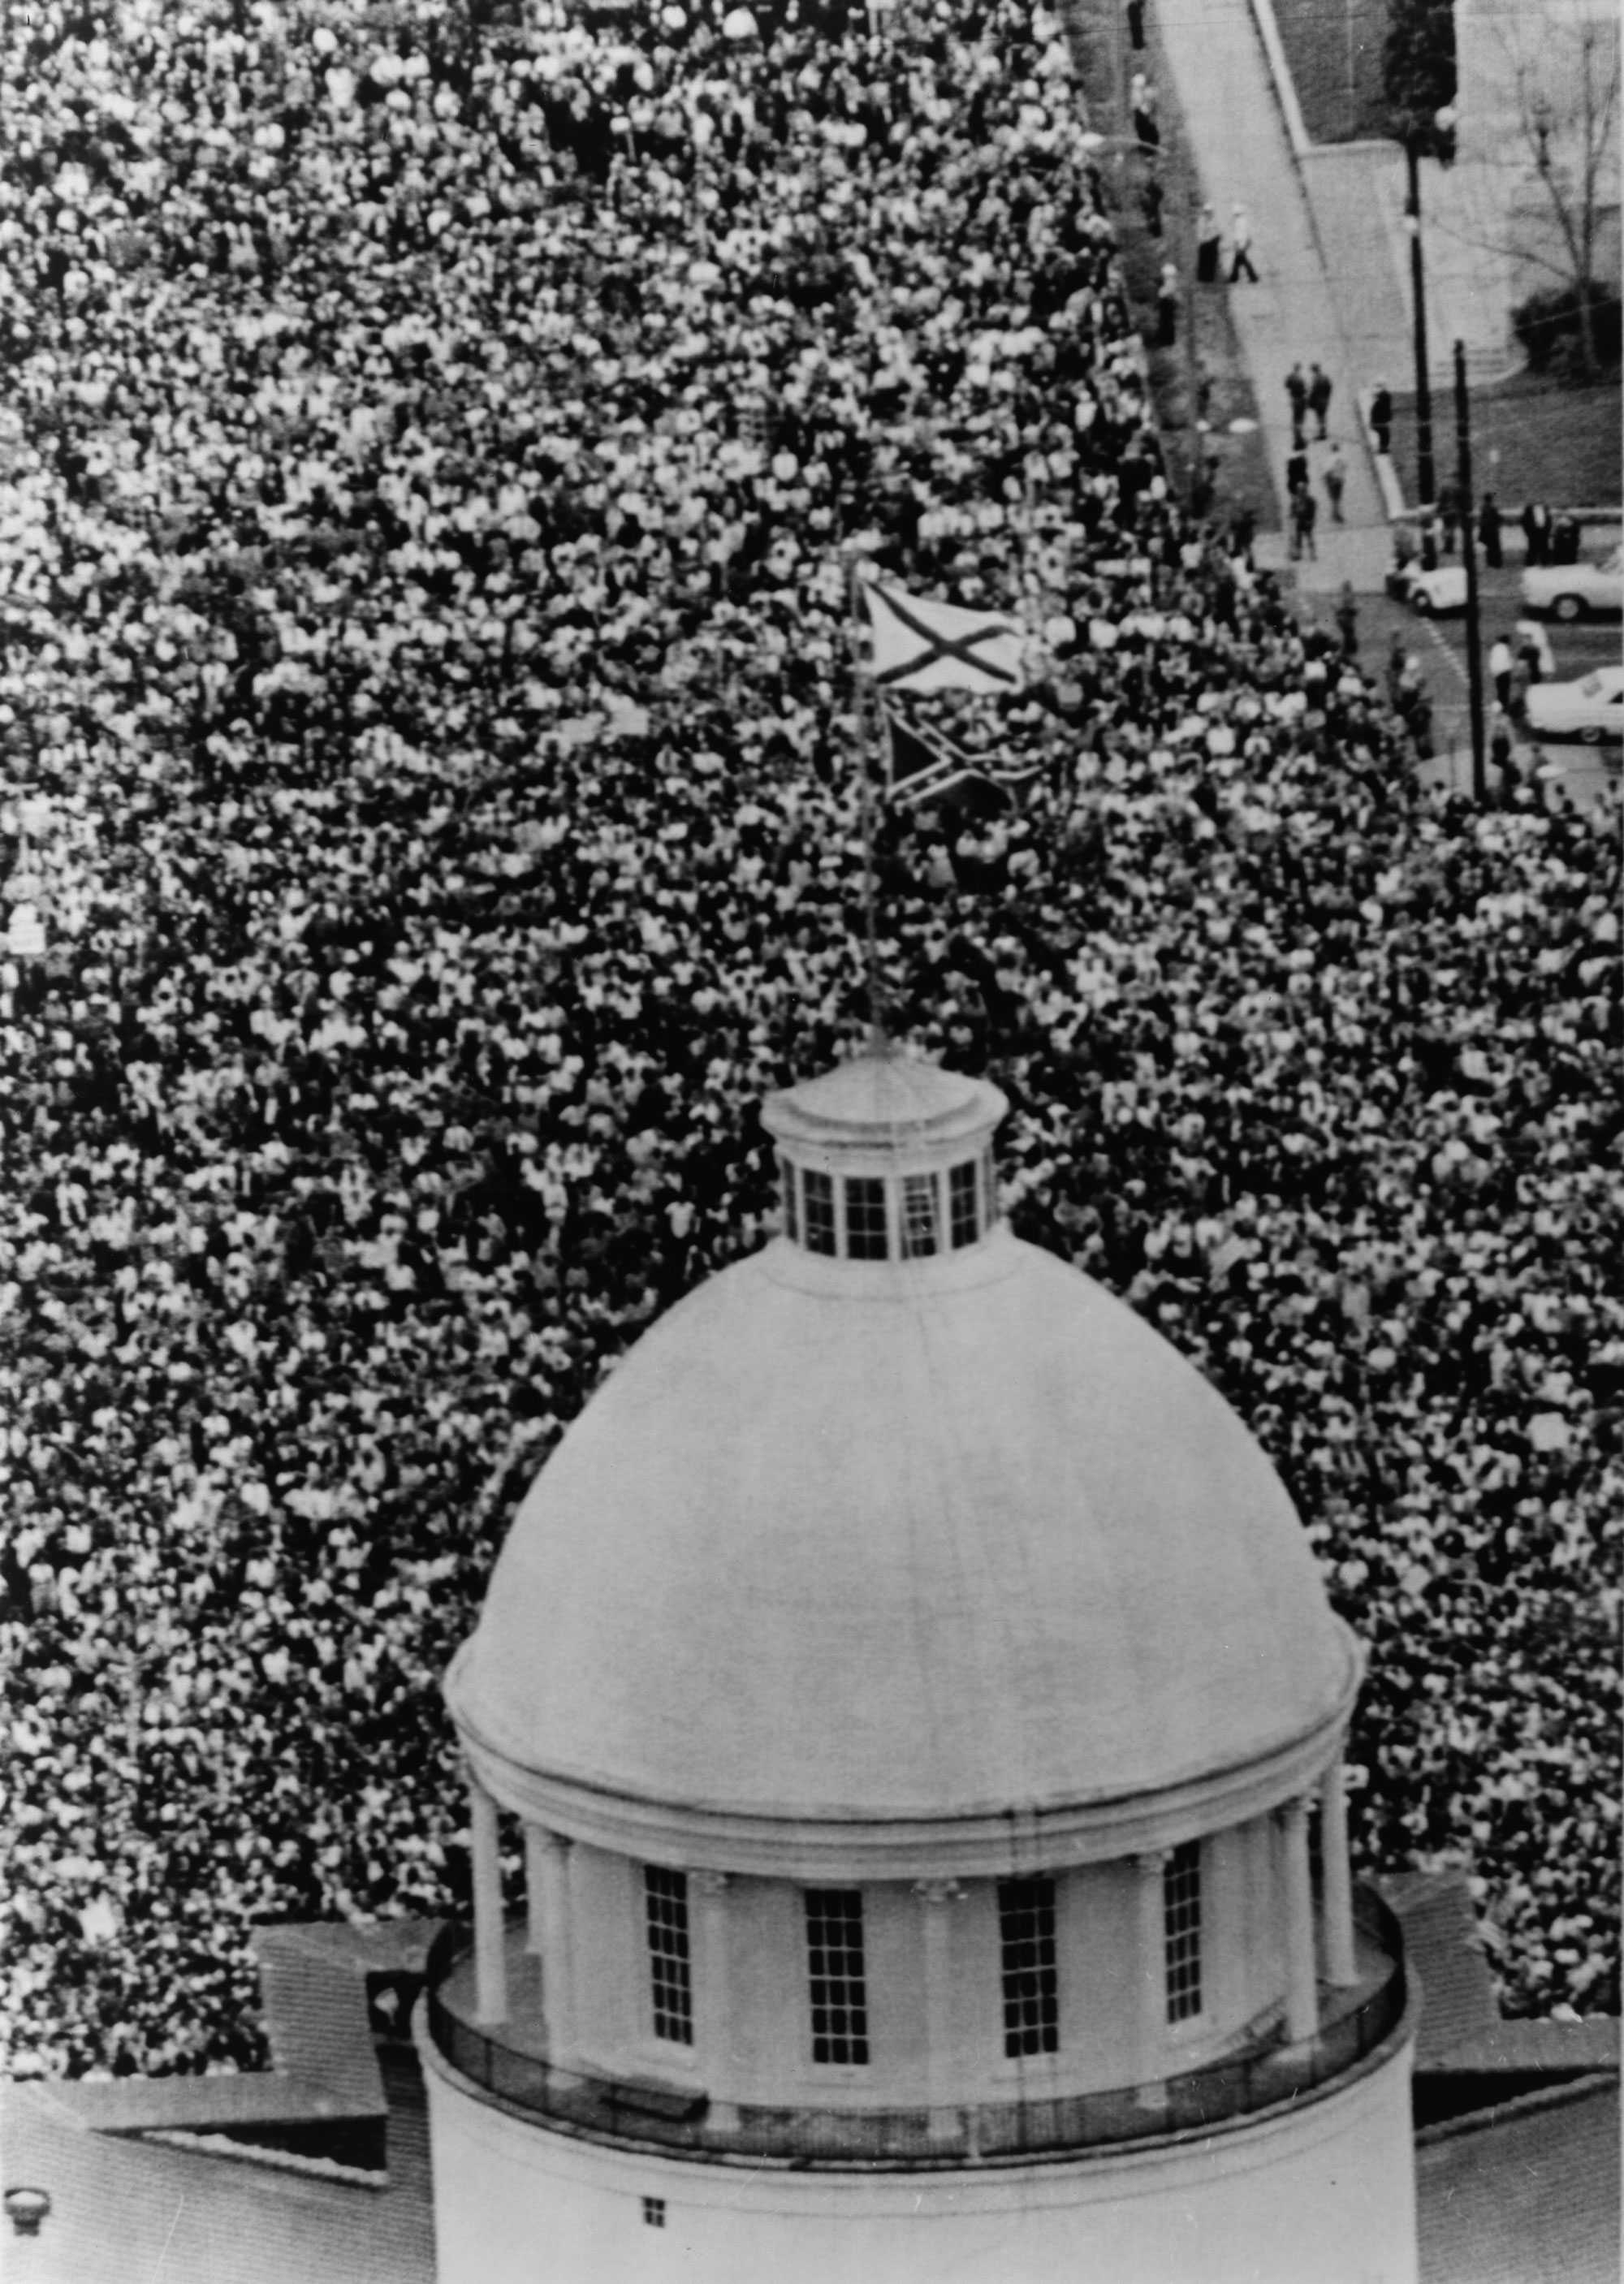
(1310, 1949)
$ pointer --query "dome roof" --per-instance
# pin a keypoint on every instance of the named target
(856, 1540)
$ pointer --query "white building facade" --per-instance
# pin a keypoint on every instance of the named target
(915, 1704)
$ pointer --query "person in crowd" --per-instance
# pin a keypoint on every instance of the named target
(1209, 246)
(1381, 420)
(1489, 526)
(1502, 659)
(1321, 390)
(1536, 532)
(1333, 475)
(1305, 515)
(1297, 396)
(1167, 291)
(1239, 246)
(1347, 618)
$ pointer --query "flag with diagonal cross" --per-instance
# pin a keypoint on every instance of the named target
(921, 646)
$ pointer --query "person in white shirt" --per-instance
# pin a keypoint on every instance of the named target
(1502, 659)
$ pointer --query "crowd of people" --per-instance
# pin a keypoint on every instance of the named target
(435, 446)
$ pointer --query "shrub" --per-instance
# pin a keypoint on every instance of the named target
(1547, 326)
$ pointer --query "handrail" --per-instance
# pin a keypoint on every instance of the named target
(1261, 2075)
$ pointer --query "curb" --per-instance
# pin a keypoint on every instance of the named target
(1285, 86)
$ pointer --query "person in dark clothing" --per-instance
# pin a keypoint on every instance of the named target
(1305, 515)
(1209, 247)
(1136, 22)
(1449, 511)
(1297, 390)
(1297, 470)
(1381, 419)
(1150, 201)
(1167, 307)
(1488, 531)
(1334, 476)
(1347, 619)
(1319, 392)
(1536, 532)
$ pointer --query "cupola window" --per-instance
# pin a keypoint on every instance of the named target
(866, 1238)
(963, 1204)
(839, 1987)
(1181, 1930)
(1032, 1975)
(792, 1219)
(666, 1900)
(919, 1215)
(818, 1201)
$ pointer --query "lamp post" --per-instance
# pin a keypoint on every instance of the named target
(1438, 136)
(1426, 481)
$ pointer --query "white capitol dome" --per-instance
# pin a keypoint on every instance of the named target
(920, 1718)
(947, 1536)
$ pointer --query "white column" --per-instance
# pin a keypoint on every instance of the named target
(1336, 1904)
(712, 2000)
(1302, 1993)
(490, 1964)
(534, 1878)
(1152, 1980)
(557, 1945)
(935, 1898)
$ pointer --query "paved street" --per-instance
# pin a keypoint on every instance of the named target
(1330, 289)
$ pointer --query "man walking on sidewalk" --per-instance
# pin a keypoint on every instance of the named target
(1335, 474)
(1297, 389)
(1305, 514)
(1240, 239)
(1381, 419)
(1320, 388)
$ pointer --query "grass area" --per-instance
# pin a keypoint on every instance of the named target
(1243, 478)
(1531, 438)
(1334, 48)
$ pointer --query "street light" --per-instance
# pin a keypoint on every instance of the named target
(1439, 138)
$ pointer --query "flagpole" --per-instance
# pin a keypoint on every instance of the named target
(862, 694)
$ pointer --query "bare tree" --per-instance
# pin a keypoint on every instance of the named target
(1564, 67)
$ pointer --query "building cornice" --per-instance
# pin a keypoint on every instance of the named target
(818, 1846)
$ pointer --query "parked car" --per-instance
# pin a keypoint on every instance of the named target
(1574, 591)
(1434, 593)
(1591, 708)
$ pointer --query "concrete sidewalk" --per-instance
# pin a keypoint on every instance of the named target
(1213, 61)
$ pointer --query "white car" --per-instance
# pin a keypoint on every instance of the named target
(1572, 590)
(1434, 592)
(1591, 708)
